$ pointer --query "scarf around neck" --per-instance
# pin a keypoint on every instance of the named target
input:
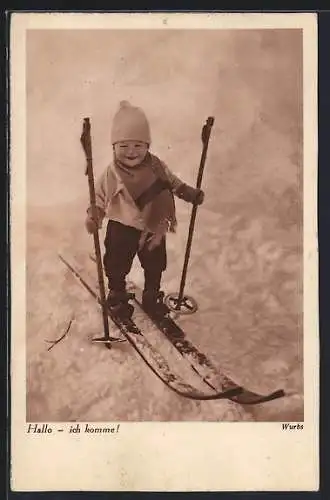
(148, 186)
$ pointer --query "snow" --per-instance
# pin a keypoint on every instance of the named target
(245, 269)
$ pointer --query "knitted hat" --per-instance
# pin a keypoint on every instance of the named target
(130, 123)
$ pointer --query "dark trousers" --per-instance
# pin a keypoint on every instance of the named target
(121, 246)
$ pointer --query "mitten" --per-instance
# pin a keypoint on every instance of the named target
(190, 194)
(153, 240)
(91, 225)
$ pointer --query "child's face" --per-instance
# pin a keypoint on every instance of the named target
(131, 153)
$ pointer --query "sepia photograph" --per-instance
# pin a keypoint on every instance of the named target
(164, 215)
(147, 95)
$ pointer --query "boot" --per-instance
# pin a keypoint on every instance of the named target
(153, 304)
(152, 298)
(117, 302)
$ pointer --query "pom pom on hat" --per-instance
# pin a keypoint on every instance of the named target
(125, 104)
(130, 123)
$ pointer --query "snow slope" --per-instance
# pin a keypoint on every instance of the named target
(246, 263)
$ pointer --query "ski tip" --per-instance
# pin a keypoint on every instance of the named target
(279, 394)
(252, 398)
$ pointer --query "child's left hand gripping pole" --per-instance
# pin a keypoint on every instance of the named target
(86, 142)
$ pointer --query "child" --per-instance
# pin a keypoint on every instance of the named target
(136, 194)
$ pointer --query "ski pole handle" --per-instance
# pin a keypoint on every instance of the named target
(86, 143)
(205, 136)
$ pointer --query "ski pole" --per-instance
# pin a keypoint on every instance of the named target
(206, 132)
(86, 142)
